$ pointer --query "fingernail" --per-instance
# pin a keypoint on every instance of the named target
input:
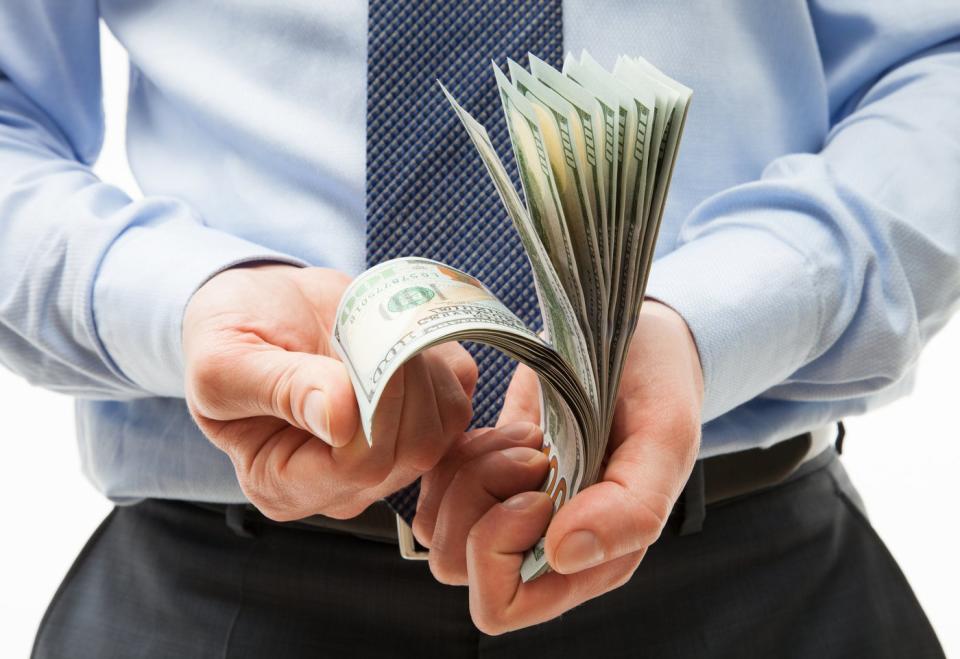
(578, 551)
(521, 454)
(518, 430)
(316, 415)
(522, 500)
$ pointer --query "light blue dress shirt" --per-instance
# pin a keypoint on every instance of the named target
(811, 240)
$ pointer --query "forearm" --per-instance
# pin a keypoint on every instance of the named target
(48, 249)
(823, 279)
(92, 283)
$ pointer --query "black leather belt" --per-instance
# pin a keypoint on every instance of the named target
(713, 480)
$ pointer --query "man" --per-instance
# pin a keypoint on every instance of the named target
(809, 250)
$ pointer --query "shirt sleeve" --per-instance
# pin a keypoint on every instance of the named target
(93, 284)
(823, 279)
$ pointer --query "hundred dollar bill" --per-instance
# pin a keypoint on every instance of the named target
(588, 145)
(544, 210)
(400, 308)
(635, 113)
(638, 108)
(561, 324)
(643, 72)
(563, 132)
(595, 148)
(595, 152)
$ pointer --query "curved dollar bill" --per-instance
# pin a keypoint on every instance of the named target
(399, 308)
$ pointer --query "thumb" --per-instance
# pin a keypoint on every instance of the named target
(629, 508)
(311, 392)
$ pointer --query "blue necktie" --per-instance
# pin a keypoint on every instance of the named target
(427, 192)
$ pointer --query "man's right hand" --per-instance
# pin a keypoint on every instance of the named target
(265, 386)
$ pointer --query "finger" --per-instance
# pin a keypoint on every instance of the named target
(628, 509)
(285, 478)
(435, 482)
(410, 426)
(495, 549)
(499, 602)
(452, 398)
(480, 484)
(311, 392)
(436, 412)
(420, 425)
(461, 362)
(522, 401)
(363, 464)
(283, 470)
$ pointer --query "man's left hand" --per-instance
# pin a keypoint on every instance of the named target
(478, 515)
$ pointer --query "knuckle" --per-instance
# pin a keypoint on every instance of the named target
(489, 622)
(649, 514)
(476, 536)
(272, 507)
(460, 361)
(684, 440)
(424, 459)
(348, 509)
(276, 514)
(242, 458)
(427, 452)
(463, 480)
(678, 433)
(619, 580)
(423, 529)
(619, 577)
(207, 377)
(683, 426)
(461, 413)
(277, 390)
(371, 474)
(276, 502)
(445, 570)
(468, 448)
(471, 372)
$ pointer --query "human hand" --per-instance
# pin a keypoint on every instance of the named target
(266, 387)
(479, 515)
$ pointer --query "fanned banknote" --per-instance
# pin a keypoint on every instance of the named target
(595, 150)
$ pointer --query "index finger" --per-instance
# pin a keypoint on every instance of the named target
(522, 400)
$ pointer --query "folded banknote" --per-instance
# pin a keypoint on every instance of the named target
(595, 150)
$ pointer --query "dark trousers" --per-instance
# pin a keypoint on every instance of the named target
(792, 571)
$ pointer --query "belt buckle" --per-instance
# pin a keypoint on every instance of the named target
(408, 544)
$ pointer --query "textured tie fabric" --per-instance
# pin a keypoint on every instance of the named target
(427, 191)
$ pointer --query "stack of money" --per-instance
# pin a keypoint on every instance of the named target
(595, 152)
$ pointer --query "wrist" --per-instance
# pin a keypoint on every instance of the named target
(687, 353)
(232, 280)
(143, 287)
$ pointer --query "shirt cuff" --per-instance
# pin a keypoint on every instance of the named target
(142, 289)
(752, 305)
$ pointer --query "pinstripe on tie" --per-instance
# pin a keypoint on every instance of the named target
(427, 192)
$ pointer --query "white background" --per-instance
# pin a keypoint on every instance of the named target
(905, 459)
